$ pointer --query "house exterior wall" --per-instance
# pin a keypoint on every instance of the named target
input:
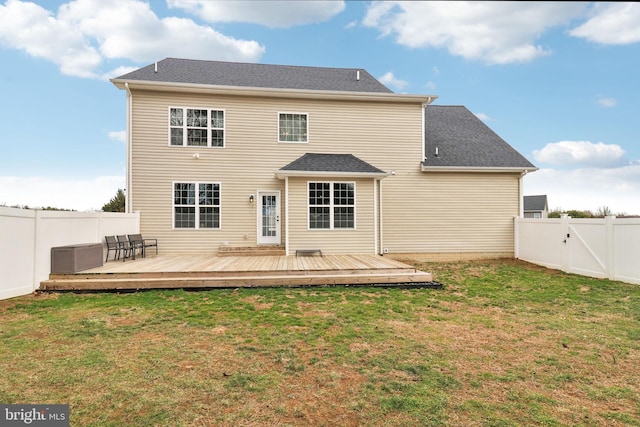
(420, 212)
(453, 213)
(361, 239)
(387, 135)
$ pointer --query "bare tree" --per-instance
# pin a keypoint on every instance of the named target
(602, 211)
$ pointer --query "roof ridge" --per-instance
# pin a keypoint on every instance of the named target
(267, 64)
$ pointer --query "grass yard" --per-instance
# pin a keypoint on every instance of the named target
(504, 344)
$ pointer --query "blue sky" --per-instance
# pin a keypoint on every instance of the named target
(557, 81)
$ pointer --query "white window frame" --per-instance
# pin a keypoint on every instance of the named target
(332, 205)
(210, 129)
(196, 206)
(279, 130)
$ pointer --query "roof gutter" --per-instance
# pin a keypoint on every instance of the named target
(282, 174)
(271, 92)
(522, 170)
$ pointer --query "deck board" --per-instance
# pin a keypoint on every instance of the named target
(211, 271)
(213, 263)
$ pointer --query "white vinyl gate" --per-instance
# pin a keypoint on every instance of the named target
(603, 248)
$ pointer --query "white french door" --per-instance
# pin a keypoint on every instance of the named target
(269, 218)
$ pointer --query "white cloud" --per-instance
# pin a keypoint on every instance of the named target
(76, 194)
(118, 135)
(588, 189)
(29, 27)
(495, 32)
(391, 80)
(615, 23)
(272, 14)
(607, 102)
(580, 153)
(482, 116)
(84, 33)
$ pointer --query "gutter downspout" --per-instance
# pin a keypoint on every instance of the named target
(521, 195)
(424, 137)
(128, 171)
(286, 215)
(375, 216)
(516, 220)
(380, 216)
(424, 128)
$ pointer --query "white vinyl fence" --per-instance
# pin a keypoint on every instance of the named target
(603, 248)
(27, 236)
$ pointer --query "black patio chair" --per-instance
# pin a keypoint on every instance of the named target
(137, 242)
(112, 246)
(127, 247)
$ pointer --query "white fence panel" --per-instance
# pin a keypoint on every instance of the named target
(626, 246)
(27, 236)
(539, 241)
(602, 248)
(17, 249)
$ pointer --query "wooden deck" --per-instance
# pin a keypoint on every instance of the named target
(211, 271)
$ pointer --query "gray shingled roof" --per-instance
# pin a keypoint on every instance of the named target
(219, 73)
(463, 140)
(535, 203)
(343, 163)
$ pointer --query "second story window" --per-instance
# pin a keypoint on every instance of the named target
(292, 127)
(197, 127)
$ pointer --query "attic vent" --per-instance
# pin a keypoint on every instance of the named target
(436, 151)
(358, 75)
(155, 68)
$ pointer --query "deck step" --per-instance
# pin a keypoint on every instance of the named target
(238, 281)
(268, 250)
(224, 274)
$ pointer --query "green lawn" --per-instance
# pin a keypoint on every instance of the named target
(504, 343)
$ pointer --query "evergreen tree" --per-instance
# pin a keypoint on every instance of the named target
(116, 204)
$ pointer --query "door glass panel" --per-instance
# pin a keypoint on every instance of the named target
(269, 215)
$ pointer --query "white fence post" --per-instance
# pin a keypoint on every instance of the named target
(566, 235)
(610, 242)
(516, 238)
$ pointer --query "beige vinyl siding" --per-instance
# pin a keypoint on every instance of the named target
(387, 135)
(336, 241)
(450, 212)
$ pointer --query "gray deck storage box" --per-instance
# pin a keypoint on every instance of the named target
(75, 258)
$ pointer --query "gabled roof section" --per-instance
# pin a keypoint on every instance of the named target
(535, 203)
(312, 164)
(238, 74)
(463, 142)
